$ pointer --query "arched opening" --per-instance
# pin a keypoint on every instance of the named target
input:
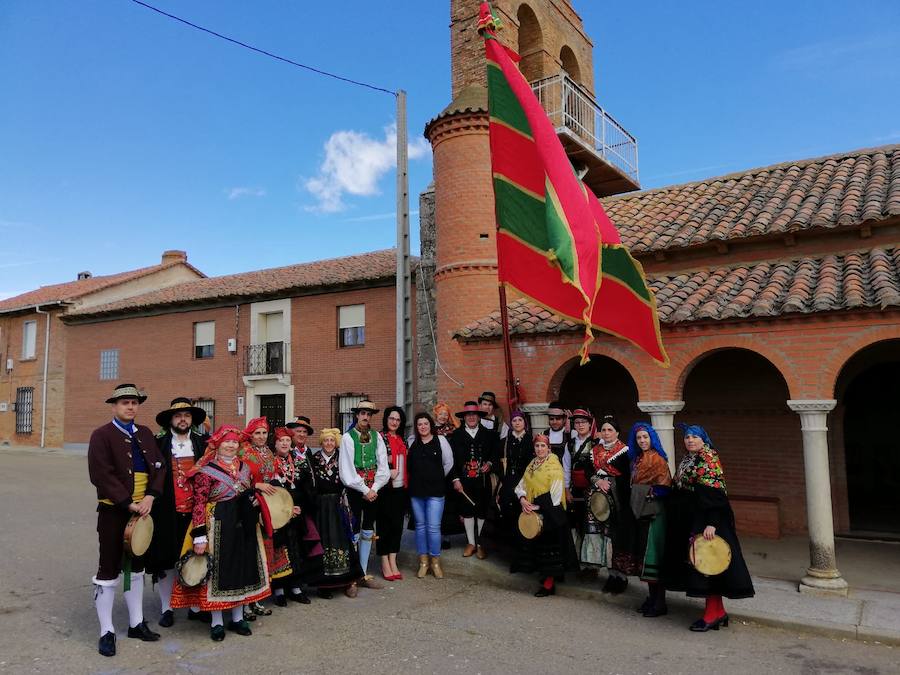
(604, 386)
(868, 394)
(531, 43)
(740, 398)
(570, 63)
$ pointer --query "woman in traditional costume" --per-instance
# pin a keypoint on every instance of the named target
(541, 490)
(430, 468)
(609, 543)
(225, 524)
(299, 537)
(393, 499)
(444, 421)
(516, 453)
(651, 483)
(261, 460)
(699, 507)
(340, 561)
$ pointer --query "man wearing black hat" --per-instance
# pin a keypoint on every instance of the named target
(128, 471)
(559, 443)
(180, 447)
(488, 404)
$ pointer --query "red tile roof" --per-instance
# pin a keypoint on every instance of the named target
(73, 290)
(826, 192)
(276, 281)
(861, 280)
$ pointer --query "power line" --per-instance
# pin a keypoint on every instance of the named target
(264, 52)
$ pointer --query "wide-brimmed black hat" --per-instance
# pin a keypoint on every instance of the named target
(365, 405)
(489, 396)
(300, 421)
(178, 405)
(471, 407)
(127, 391)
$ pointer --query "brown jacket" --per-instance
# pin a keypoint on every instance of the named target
(110, 466)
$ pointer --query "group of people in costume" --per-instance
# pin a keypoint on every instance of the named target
(236, 518)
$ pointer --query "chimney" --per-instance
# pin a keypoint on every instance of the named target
(173, 256)
(84, 275)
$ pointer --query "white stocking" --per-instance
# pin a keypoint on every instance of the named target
(365, 546)
(480, 522)
(217, 617)
(237, 613)
(164, 588)
(469, 524)
(104, 597)
(279, 592)
(134, 598)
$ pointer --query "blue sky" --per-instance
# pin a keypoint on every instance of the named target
(123, 133)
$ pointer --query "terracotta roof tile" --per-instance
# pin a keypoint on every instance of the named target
(835, 191)
(281, 281)
(865, 279)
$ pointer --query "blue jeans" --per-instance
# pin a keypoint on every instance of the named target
(427, 512)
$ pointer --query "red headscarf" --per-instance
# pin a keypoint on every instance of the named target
(284, 432)
(226, 432)
(253, 425)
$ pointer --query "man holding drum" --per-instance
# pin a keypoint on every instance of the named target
(127, 469)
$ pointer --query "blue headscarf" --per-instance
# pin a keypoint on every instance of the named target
(634, 451)
(695, 430)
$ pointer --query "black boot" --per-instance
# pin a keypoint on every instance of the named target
(107, 644)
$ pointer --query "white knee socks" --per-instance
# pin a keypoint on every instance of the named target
(365, 546)
(104, 597)
(134, 599)
(217, 617)
(480, 523)
(469, 524)
(164, 588)
(237, 613)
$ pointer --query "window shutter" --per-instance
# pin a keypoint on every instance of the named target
(351, 316)
(204, 333)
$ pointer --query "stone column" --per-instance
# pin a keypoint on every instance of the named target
(538, 414)
(822, 575)
(662, 417)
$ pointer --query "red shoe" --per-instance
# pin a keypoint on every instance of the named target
(398, 576)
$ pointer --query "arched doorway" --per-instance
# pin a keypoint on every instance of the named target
(604, 386)
(868, 394)
(740, 398)
(570, 63)
(531, 44)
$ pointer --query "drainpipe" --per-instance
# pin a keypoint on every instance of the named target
(37, 309)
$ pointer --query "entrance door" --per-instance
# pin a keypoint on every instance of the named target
(272, 407)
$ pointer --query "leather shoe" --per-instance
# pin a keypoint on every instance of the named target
(351, 591)
(480, 553)
(167, 619)
(652, 611)
(644, 606)
(369, 581)
(445, 543)
(240, 627)
(468, 550)
(143, 632)
(300, 597)
(107, 644)
(280, 601)
(202, 616)
(217, 633)
(544, 592)
(700, 626)
(325, 593)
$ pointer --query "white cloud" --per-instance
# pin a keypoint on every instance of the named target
(354, 163)
(377, 216)
(238, 192)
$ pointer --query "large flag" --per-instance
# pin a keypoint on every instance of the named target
(555, 243)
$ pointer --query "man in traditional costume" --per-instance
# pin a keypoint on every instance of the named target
(301, 428)
(128, 471)
(559, 445)
(580, 446)
(364, 471)
(180, 447)
(475, 454)
(491, 420)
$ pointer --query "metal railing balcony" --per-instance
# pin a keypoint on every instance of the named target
(573, 111)
(270, 358)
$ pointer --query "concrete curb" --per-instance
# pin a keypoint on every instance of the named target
(491, 572)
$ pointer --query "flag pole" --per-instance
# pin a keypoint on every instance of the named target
(512, 391)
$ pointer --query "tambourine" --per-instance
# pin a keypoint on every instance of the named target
(709, 557)
(280, 505)
(531, 524)
(599, 506)
(138, 535)
(193, 569)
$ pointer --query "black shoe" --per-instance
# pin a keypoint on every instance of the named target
(167, 619)
(248, 614)
(143, 632)
(445, 543)
(619, 585)
(259, 609)
(644, 606)
(281, 601)
(217, 633)
(107, 644)
(203, 617)
(239, 627)
(652, 611)
(544, 592)
(325, 594)
(700, 626)
(300, 597)
(609, 585)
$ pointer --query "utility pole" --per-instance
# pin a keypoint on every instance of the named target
(404, 392)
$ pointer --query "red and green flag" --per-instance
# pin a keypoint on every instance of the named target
(555, 243)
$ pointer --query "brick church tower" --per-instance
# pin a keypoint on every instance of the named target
(557, 59)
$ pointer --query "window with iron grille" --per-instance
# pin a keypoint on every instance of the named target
(24, 409)
(204, 339)
(209, 405)
(352, 325)
(342, 405)
(29, 340)
(109, 364)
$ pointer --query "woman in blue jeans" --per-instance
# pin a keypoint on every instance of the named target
(430, 468)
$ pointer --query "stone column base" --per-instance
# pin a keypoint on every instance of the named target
(819, 582)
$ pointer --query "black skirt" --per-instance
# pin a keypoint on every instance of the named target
(688, 513)
(340, 561)
(552, 552)
(392, 503)
(238, 567)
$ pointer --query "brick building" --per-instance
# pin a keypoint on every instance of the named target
(306, 339)
(34, 340)
(778, 290)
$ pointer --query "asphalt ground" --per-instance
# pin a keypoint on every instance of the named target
(459, 624)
